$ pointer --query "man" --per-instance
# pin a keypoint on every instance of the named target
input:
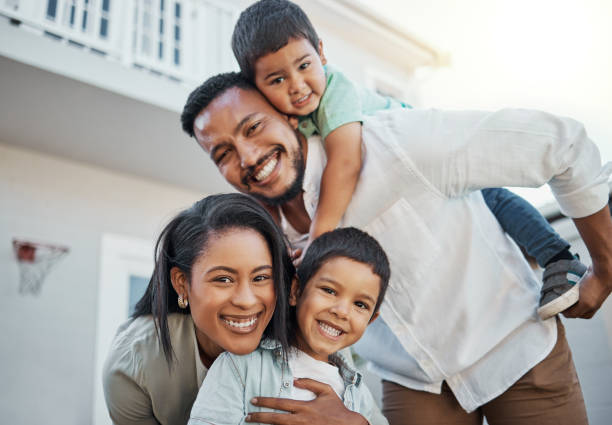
(459, 323)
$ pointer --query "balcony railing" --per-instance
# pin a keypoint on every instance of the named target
(185, 40)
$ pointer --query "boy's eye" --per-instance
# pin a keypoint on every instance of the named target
(305, 65)
(362, 305)
(277, 80)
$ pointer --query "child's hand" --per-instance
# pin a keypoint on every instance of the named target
(297, 255)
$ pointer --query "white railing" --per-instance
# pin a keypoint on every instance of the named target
(186, 40)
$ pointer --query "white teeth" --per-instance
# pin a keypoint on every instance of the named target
(329, 330)
(246, 324)
(266, 170)
(301, 99)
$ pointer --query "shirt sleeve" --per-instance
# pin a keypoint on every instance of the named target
(456, 152)
(127, 402)
(340, 104)
(370, 409)
(220, 400)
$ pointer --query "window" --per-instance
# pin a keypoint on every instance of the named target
(85, 14)
(51, 9)
(104, 17)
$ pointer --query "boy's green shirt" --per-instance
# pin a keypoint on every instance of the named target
(343, 102)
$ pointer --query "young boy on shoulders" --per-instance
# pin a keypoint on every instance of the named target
(338, 290)
(279, 51)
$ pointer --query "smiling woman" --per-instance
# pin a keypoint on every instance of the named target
(222, 269)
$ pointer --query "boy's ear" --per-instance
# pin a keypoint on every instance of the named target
(293, 294)
(179, 281)
(321, 54)
(374, 317)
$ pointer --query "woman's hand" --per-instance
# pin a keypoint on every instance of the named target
(326, 408)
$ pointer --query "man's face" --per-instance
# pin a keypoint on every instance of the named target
(252, 144)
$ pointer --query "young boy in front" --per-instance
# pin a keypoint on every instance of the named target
(278, 50)
(339, 287)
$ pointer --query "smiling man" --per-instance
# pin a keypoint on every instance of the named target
(460, 338)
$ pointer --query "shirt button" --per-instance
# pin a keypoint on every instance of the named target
(304, 124)
(286, 384)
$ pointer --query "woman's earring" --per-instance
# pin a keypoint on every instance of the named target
(182, 302)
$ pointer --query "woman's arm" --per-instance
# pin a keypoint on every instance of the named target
(127, 402)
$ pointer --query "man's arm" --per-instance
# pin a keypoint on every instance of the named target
(326, 408)
(459, 152)
(596, 232)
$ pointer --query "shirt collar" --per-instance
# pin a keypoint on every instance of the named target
(348, 372)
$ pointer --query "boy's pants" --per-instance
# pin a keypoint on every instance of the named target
(549, 394)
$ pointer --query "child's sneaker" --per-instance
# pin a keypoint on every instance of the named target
(561, 285)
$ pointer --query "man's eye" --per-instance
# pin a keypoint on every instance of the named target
(253, 127)
(277, 80)
(305, 65)
(222, 156)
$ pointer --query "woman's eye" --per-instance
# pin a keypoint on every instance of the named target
(262, 278)
(328, 290)
(277, 81)
(305, 65)
(223, 279)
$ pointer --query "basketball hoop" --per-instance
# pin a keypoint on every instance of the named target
(35, 260)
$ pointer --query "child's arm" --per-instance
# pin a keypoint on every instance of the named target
(220, 400)
(523, 223)
(343, 149)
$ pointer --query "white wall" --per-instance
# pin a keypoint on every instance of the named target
(47, 355)
(544, 54)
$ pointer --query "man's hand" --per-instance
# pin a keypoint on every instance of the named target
(326, 408)
(596, 232)
(593, 292)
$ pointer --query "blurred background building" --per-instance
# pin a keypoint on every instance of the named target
(92, 156)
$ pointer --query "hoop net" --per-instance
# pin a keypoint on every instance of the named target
(35, 260)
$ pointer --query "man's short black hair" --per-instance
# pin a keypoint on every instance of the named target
(212, 88)
(266, 27)
(347, 242)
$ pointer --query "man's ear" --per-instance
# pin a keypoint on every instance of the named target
(293, 294)
(374, 317)
(179, 282)
(321, 54)
(292, 120)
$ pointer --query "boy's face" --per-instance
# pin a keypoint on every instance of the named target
(335, 307)
(292, 78)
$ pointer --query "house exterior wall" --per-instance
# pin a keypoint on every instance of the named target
(49, 341)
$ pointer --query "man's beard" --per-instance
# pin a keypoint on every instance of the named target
(294, 189)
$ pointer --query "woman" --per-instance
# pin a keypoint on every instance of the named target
(221, 271)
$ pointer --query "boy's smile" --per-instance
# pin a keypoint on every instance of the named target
(335, 307)
(292, 78)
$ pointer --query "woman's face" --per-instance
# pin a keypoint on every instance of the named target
(231, 294)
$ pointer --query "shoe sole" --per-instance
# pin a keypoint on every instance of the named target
(561, 303)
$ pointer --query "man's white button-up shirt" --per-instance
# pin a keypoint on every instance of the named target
(462, 300)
